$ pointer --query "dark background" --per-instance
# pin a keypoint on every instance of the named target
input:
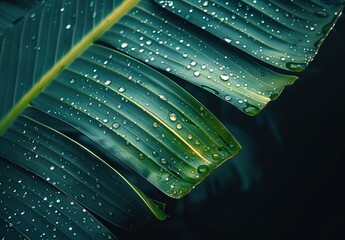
(288, 180)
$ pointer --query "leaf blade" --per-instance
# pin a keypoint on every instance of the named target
(139, 116)
(28, 203)
(43, 79)
(285, 34)
(77, 172)
(161, 40)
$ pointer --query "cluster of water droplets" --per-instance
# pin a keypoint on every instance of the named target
(170, 48)
(287, 35)
(47, 212)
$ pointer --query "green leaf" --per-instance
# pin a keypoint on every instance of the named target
(162, 40)
(140, 117)
(65, 31)
(285, 34)
(12, 12)
(58, 59)
(31, 208)
(77, 172)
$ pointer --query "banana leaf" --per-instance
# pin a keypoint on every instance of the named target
(89, 69)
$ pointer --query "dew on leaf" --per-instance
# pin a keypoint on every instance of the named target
(196, 73)
(116, 125)
(162, 97)
(215, 156)
(122, 89)
(173, 117)
(203, 169)
(108, 82)
(124, 45)
(224, 77)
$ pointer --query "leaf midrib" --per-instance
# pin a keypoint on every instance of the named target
(67, 59)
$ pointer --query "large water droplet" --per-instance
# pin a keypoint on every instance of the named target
(251, 110)
(154, 153)
(203, 169)
(122, 89)
(228, 40)
(297, 67)
(196, 73)
(173, 117)
(163, 160)
(124, 45)
(141, 156)
(116, 125)
(227, 97)
(224, 77)
(162, 97)
(108, 82)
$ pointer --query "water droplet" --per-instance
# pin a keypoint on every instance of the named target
(227, 97)
(68, 26)
(72, 81)
(190, 137)
(228, 40)
(203, 169)
(122, 89)
(162, 97)
(224, 77)
(179, 126)
(163, 160)
(141, 156)
(196, 73)
(251, 110)
(297, 67)
(154, 153)
(155, 125)
(173, 117)
(215, 156)
(116, 125)
(124, 45)
(52, 168)
(108, 82)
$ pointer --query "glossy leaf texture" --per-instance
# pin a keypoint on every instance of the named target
(12, 12)
(50, 36)
(162, 40)
(140, 117)
(285, 34)
(31, 208)
(77, 172)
